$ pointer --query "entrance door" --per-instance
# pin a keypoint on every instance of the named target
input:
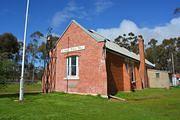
(132, 77)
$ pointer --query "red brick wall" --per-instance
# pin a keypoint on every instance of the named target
(114, 65)
(137, 76)
(142, 67)
(118, 75)
(126, 79)
(92, 68)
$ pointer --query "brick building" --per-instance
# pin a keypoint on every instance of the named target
(85, 62)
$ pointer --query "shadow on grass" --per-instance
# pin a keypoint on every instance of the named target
(15, 95)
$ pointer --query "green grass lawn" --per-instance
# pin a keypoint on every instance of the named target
(149, 104)
(14, 88)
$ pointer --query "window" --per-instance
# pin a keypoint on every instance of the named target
(132, 74)
(157, 75)
(127, 67)
(72, 67)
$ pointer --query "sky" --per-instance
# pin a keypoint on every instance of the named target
(111, 18)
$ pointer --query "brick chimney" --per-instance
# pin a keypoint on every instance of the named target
(142, 67)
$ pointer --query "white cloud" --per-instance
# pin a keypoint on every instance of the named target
(170, 29)
(69, 12)
(73, 11)
(102, 5)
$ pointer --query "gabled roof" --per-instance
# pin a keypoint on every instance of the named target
(92, 33)
(109, 45)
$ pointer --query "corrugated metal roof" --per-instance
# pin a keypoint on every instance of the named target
(123, 51)
(149, 63)
(92, 33)
(114, 47)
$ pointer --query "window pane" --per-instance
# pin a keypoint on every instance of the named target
(72, 66)
(157, 75)
(73, 60)
(73, 70)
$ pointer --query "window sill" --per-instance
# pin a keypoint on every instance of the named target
(71, 78)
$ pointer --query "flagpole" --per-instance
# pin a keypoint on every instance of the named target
(21, 90)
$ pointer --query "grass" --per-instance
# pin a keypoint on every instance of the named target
(14, 88)
(149, 104)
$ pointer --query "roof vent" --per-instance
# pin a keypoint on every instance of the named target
(90, 30)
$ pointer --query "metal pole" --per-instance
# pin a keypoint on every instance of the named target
(173, 63)
(21, 90)
(173, 71)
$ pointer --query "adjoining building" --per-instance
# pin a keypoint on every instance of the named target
(175, 79)
(178, 78)
(159, 78)
(85, 62)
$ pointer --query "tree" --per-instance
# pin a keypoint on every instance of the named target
(177, 11)
(161, 55)
(9, 51)
(32, 49)
(128, 41)
(37, 49)
(9, 46)
(153, 49)
(177, 60)
(43, 52)
(169, 48)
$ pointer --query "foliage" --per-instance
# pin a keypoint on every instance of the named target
(128, 41)
(161, 55)
(32, 50)
(177, 11)
(37, 51)
(8, 46)
(9, 53)
(8, 71)
(11, 56)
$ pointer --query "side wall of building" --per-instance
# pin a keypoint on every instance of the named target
(114, 67)
(158, 79)
(92, 68)
(118, 74)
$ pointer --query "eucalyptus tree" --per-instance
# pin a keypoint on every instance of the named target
(32, 50)
(128, 41)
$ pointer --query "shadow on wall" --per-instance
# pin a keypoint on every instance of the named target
(112, 88)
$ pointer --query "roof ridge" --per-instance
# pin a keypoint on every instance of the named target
(92, 34)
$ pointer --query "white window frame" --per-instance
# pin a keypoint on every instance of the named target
(68, 68)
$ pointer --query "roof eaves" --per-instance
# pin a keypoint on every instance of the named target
(114, 47)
